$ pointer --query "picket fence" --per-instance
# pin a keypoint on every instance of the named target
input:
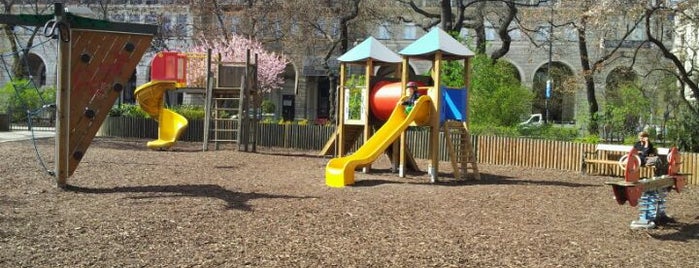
(522, 152)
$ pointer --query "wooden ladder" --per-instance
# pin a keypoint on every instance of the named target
(226, 116)
(462, 155)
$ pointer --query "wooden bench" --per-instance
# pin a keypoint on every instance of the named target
(604, 160)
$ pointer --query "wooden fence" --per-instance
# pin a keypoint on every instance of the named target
(523, 152)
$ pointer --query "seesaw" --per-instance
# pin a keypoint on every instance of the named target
(650, 193)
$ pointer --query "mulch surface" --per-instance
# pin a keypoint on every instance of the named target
(127, 206)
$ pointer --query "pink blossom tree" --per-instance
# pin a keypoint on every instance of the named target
(270, 65)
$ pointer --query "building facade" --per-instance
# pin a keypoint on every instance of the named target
(306, 91)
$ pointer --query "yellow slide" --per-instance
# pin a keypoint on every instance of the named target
(340, 171)
(150, 97)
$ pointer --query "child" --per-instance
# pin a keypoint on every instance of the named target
(414, 94)
(644, 146)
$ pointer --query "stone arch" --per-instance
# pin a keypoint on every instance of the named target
(618, 78)
(515, 70)
(291, 73)
(560, 107)
(37, 69)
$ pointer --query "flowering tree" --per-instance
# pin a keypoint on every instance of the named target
(270, 65)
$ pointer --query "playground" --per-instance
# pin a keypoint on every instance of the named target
(171, 203)
(129, 206)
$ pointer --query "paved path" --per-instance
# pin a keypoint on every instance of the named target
(18, 135)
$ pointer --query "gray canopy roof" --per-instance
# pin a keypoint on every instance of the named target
(434, 41)
(370, 49)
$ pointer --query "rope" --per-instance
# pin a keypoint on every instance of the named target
(29, 113)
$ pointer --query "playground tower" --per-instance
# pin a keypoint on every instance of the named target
(227, 88)
(441, 109)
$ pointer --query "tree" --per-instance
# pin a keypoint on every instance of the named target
(682, 55)
(19, 54)
(497, 98)
(477, 15)
(301, 30)
(269, 66)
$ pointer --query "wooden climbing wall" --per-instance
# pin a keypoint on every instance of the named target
(101, 63)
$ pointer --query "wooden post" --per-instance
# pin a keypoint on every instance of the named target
(62, 99)
(340, 141)
(365, 103)
(467, 86)
(433, 169)
(404, 80)
(207, 100)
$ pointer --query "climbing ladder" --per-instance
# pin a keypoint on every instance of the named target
(225, 115)
(229, 91)
(462, 155)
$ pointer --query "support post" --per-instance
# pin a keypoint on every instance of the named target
(340, 139)
(62, 99)
(403, 137)
(365, 103)
(207, 100)
(435, 95)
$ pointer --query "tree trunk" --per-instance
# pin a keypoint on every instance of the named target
(593, 128)
(17, 67)
(504, 33)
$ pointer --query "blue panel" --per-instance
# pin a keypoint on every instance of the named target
(453, 104)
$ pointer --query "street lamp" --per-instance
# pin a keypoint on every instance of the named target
(549, 80)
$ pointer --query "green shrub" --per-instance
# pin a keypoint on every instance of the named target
(133, 110)
(491, 130)
(21, 95)
(128, 110)
(190, 111)
(268, 106)
(550, 132)
(589, 139)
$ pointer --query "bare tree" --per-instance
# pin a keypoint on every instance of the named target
(684, 56)
(598, 17)
(297, 28)
(477, 15)
(20, 50)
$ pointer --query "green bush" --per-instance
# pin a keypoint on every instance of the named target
(128, 110)
(496, 96)
(268, 106)
(133, 110)
(589, 139)
(190, 111)
(491, 130)
(19, 96)
(550, 132)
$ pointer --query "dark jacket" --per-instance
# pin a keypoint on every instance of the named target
(413, 98)
(643, 151)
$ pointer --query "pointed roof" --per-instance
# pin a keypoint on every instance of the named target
(437, 40)
(370, 49)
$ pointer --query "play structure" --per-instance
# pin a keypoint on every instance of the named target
(150, 96)
(226, 93)
(440, 108)
(647, 193)
(95, 60)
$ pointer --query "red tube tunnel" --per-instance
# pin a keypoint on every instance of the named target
(384, 97)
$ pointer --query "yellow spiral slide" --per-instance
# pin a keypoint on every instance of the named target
(339, 172)
(170, 124)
